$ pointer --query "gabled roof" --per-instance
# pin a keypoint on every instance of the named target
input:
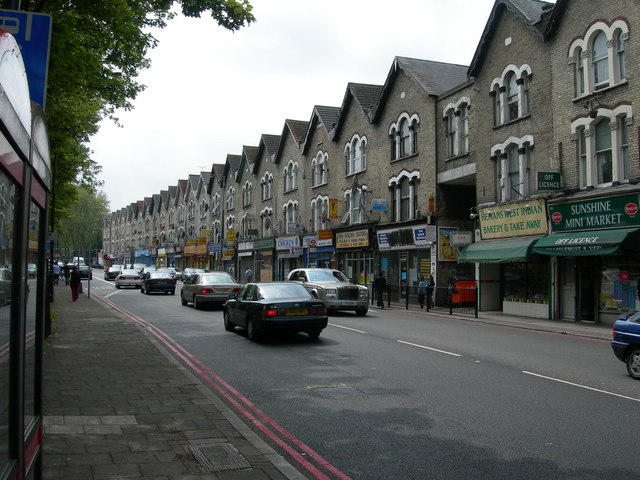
(140, 207)
(268, 146)
(204, 182)
(325, 116)
(230, 168)
(193, 182)
(164, 199)
(173, 191)
(217, 170)
(247, 158)
(297, 129)
(156, 202)
(365, 95)
(533, 13)
(148, 205)
(182, 188)
(433, 78)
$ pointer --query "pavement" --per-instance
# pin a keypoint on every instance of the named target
(118, 404)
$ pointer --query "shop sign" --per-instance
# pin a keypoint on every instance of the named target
(170, 250)
(288, 242)
(513, 220)
(252, 232)
(356, 238)
(549, 181)
(263, 243)
(191, 241)
(460, 238)
(228, 253)
(419, 236)
(378, 205)
(215, 248)
(447, 251)
(162, 251)
(202, 240)
(333, 208)
(297, 251)
(325, 234)
(596, 213)
(294, 227)
(310, 241)
(231, 235)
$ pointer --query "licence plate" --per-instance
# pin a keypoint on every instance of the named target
(296, 311)
(348, 304)
(223, 290)
(162, 282)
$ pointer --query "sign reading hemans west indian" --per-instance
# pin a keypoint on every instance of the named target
(596, 213)
(513, 220)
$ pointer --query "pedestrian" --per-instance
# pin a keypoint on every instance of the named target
(379, 285)
(248, 274)
(431, 285)
(422, 291)
(74, 282)
(56, 273)
(65, 273)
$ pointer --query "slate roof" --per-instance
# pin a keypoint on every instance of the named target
(365, 95)
(298, 131)
(433, 78)
(268, 146)
(533, 13)
(327, 116)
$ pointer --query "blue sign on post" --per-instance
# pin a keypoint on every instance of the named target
(32, 32)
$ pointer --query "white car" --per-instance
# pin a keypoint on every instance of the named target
(334, 288)
(128, 278)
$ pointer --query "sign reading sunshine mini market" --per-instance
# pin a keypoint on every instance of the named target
(596, 213)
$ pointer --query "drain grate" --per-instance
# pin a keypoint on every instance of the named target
(218, 457)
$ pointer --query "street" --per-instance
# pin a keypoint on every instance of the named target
(405, 395)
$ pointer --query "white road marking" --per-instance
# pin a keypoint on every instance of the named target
(430, 348)
(117, 291)
(581, 386)
(346, 328)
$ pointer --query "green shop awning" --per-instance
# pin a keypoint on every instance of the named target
(517, 249)
(593, 242)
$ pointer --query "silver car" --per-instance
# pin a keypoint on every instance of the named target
(334, 288)
(128, 278)
(208, 288)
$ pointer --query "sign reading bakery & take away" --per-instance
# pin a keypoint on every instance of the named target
(513, 220)
(596, 213)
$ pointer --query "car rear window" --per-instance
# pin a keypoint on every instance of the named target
(291, 290)
(217, 278)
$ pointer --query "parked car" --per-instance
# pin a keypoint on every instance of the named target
(208, 288)
(85, 271)
(32, 270)
(275, 307)
(128, 278)
(112, 272)
(334, 288)
(158, 281)
(626, 342)
(138, 267)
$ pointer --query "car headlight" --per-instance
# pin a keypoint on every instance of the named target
(331, 292)
(364, 294)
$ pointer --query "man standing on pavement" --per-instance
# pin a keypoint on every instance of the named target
(379, 285)
(248, 275)
(56, 273)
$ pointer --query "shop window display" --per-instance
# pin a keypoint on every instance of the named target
(619, 283)
(526, 282)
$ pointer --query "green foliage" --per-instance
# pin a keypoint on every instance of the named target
(98, 48)
(81, 229)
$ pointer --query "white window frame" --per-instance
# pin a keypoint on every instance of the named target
(319, 210)
(290, 211)
(403, 135)
(507, 94)
(524, 148)
(394, 188)
(583, 132)
(582, 56)
(355, 152)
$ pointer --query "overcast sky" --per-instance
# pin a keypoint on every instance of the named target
(210, 91)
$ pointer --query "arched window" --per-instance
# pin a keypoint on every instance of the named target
(604, 157)
(513, 98)
(622, 73)
(600, 61)
(405, 138)
(356, 155)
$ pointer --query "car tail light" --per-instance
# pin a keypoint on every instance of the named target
(236, 290)
(270, 311)
(318, 310)
(136, 277)
(206, 290)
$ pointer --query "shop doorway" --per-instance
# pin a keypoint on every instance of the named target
(580, 281)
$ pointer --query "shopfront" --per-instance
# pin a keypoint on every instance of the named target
(246, 259)
(318, 250)
(289, 254)
(406, 253)
(25, 184)
(510, 276)
(264, 250)
(595, 248)
(355, 255)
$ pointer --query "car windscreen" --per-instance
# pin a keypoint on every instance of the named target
(217, 278)
(159, 275)
(327, 276)
(293, 290)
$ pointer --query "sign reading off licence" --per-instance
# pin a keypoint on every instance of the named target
(549, 181)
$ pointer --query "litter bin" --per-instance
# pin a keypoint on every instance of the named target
(464, 292)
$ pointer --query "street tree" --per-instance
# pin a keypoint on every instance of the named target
(80, 231)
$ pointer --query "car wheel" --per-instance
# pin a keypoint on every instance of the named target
(183, 301)
(314, 334)
(633, 363)
(141, 289)
(173, 292)
(196, 304)
(117, 286)
(361, 312)
(228, 326)
(147, 291)
(252, 333)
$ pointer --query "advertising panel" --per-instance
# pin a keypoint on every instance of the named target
(513, 220)
(596, 213)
